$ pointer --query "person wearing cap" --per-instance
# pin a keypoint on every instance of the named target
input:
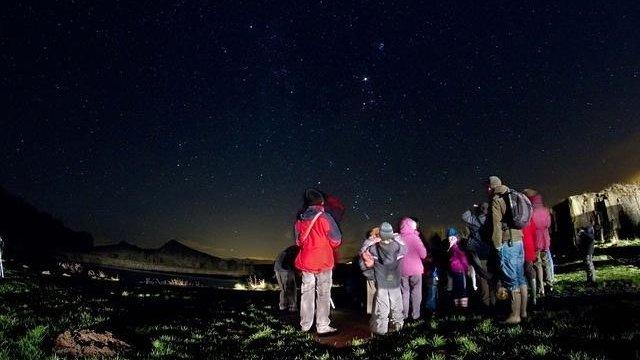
(317, 236)
(507, 241)
(412, 268)
(386, 253)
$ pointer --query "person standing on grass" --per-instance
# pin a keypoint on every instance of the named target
(479, 250)
(507, 240)
(458, 268)
(366, 265)
(318, 236)
(386, 253)
(586, 244)
(529, 242)
(285, 274)
(412, 268)
(542, 218)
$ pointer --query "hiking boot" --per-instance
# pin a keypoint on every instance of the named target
(524, 294)
(516, 301)
(327, 331)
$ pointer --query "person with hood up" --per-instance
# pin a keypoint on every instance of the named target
(412, 268)
(458, 269)
(479, 250)
(317, 236)
(507, 241)
(285, 274)
(386, 253)
(542, 217)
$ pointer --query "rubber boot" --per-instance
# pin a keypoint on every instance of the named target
(524, 294)
(516, 301)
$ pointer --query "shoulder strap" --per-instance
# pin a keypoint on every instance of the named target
(313, 221)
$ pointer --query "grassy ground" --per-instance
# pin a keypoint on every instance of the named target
(578, 322)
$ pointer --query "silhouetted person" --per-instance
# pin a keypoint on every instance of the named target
(285, 274)
(479, 250)
(586, 245)
(317, 235)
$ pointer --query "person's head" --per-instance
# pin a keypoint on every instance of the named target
(386, 231)
(313, 197)
(493, 183)
(408, 225)
(484, 208)
(452, 236)
(374, 232)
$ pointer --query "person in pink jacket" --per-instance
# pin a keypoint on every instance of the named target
(458, 269)
(542, 218)
(411, 268)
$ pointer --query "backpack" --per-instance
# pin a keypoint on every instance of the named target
(519, 210)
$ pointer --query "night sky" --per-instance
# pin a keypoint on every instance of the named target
(145, 121)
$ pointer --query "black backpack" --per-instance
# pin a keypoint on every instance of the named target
(519, 210)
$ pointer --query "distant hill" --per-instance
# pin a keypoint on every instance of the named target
(35, 235)
(170, 257)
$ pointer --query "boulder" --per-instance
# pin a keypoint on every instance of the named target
(87, 343)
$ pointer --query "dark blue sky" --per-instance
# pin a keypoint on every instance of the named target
(149, 120)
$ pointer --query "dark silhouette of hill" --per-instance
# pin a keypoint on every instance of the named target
(34, 235)
(173, 256)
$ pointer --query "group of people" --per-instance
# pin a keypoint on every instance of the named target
(505, 256)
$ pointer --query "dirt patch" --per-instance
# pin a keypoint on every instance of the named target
(86, 343)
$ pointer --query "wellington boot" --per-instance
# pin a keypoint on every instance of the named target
(524, 294)
(516, 301)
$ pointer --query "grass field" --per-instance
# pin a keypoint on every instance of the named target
(578, 322)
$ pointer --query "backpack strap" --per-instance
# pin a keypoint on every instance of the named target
(313, 222)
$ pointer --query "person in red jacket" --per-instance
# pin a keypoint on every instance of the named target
(317, 235)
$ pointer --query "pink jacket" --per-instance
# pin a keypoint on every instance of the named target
(458, 262)
(411, 263)
(542, 218)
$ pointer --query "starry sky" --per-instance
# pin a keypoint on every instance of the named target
(145, 121)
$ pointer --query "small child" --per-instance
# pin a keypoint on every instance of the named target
(458, 269)
(386, 253)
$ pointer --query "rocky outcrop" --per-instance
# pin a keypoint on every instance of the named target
(87, 343)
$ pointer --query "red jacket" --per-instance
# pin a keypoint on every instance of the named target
(529, 241)
(316, 251)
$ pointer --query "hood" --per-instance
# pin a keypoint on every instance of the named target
(501, 189)
(311, 212)
(334, 206)
(408, 226)
(536, 200)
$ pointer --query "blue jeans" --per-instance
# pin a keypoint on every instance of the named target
(512, 265)
(431, 296)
